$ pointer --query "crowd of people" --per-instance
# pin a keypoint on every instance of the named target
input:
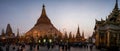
(31, 46)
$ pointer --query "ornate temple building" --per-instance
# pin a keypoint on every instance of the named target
(7, 36)
(43, 27)
(78, 37)
(9, 33)
(107, 32)
(43, 31)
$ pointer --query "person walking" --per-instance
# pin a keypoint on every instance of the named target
(91, 47)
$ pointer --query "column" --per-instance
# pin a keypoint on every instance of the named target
(97, 39)
(108, 38)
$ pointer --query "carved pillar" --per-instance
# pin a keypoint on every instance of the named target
(108, 38)
(97, 39)
(117, 39)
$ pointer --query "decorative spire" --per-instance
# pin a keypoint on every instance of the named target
(66, 36)
(70, 35)
(116, 5)
(83, 34)
(114, 16)
(43, 5)
(43, 18)
(17, 32)
(9, 30)
(78, 33)
(3, 33)
(43, 11)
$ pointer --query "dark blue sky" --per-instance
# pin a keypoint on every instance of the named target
(64, 14)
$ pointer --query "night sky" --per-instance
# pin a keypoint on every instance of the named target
(66, 15)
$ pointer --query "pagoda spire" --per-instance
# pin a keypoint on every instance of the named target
(17, 32)
(65, 36)
(70, 35)
(83, 34)
(3, 33)
(116, 6)
(78, 33)
(43, 11)
(114, 16)
(9, 30)
(43, 18)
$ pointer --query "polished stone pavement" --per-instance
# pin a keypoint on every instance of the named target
(44, 48)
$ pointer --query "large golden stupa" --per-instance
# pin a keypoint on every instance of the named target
(43, 27)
